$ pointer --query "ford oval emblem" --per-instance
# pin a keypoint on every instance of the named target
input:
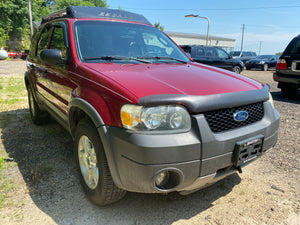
(240, 116)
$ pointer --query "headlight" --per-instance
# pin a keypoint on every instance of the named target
(271, 100)
(153, 120)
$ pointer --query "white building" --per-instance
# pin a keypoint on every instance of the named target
(197, 39)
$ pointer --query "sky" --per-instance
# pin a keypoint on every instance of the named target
(269, 25)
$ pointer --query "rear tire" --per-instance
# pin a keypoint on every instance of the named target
(289, 92)
(37, 115)
(92, 166)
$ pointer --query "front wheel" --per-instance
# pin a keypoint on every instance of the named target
(266, 67)
(236, 69)
(92, 166)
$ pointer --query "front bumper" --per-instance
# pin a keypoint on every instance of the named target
(195, 159)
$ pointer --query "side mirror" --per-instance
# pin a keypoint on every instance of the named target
(52, 57)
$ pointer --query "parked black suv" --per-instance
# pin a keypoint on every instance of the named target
(288, 69)
(213, 56)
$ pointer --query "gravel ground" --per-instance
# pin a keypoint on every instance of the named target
(48, 190)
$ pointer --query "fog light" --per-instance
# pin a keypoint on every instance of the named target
(161, 178)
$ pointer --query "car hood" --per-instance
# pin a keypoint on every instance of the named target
(187, 79)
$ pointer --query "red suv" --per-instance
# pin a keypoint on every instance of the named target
(143, 117)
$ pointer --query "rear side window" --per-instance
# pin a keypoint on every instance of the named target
(200, 52)
(211, 52)
(293, 47)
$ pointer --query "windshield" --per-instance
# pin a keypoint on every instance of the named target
(235, 53)
(265, 57)
(104, 41)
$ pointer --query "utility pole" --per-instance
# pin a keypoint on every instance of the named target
(259, 48)
(30, 17)
(242, 38)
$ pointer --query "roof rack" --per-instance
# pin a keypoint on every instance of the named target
(95, 12)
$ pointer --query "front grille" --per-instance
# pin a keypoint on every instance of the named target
(223, 120)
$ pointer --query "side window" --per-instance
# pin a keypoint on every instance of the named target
(222, 54)
(58, 41)
(200, 52)
(43, 41)
(210, 52)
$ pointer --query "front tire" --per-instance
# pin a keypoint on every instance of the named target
(92, 166)
(266, 67)
(236, 69)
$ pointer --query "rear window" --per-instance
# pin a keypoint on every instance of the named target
(293, 47)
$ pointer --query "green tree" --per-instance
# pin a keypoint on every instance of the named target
(157, 25)
(60, 4)
(278, 53)
(14, 18)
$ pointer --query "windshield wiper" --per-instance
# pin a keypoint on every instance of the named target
(163, 58)
(112, 57)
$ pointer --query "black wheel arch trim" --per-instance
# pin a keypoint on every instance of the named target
(102, 131)
(198, 104)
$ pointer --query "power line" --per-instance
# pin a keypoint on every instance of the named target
(221, 9)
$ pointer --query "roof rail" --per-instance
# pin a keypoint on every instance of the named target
(95, 12)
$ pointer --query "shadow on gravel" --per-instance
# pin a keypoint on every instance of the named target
(279, 97)
(45, 160)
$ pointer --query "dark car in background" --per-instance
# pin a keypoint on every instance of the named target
(263, 62)
(213, 56)
(243, 56)
(288, 69)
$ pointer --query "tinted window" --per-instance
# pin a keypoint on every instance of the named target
(200, 52)
(293, 47)
(265, 57)
(222, 53)
(235, 53)
(211, 52)
(43, 41)
(187, 49)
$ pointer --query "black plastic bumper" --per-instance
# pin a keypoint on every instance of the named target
(288, 79)
(196, 158)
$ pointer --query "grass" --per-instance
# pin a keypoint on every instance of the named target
(12, 91)
(6, 185)
(13, 95)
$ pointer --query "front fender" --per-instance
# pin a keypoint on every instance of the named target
(91, 112)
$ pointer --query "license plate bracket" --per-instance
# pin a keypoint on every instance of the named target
(247, 150)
